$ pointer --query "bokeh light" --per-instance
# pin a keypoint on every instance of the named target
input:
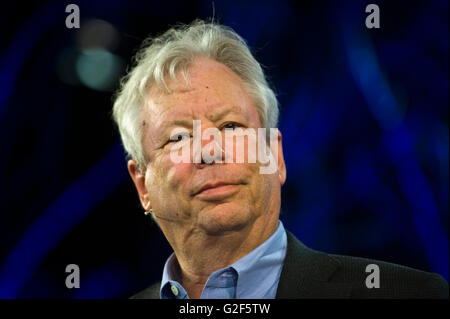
(98, 69)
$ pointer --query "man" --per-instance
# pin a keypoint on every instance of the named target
(190, 88)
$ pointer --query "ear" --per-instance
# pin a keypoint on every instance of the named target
(281, 164)
(138, 178)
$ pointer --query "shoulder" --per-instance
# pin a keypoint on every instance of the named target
(380, 279)
(331, 276)
(151, 292)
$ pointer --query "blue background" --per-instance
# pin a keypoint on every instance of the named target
(364, 118)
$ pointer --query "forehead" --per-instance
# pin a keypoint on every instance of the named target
(212, 89)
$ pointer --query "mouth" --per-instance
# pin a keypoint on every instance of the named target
(217, 191)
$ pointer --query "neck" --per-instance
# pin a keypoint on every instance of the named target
(200, 254)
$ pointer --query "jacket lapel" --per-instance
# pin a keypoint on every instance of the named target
(151, 292)
(306, 274)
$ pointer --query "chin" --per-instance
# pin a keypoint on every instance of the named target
(219, 220)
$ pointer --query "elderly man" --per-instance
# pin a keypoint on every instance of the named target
(221, 215)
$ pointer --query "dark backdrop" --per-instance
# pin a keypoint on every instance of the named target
(364, 116)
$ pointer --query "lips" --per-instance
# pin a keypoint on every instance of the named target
(207, 186)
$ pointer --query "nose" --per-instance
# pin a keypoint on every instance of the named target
(211, 149)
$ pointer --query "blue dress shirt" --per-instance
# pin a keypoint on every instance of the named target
(254, 276)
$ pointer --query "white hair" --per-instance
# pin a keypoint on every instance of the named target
(172, 53)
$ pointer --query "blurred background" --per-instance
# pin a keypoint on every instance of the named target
(364, 117)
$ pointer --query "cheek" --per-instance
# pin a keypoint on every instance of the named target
(166, 178)
(240, 148)
(177, 176)
(171, 175)
(263, 190)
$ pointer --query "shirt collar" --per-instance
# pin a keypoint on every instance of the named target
(261, 268)
(256, 272)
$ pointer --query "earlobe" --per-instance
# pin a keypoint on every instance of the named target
(138, 178)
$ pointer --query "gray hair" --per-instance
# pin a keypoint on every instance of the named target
(172, 53)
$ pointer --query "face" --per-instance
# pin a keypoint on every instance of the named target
(217, 97)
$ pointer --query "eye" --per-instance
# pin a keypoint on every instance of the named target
(179, 137)
(230, 125)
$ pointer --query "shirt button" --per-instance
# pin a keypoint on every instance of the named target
(174, 290)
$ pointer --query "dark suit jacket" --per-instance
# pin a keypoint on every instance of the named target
(311, 274)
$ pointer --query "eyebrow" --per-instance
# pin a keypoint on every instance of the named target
(178, 122)
(213, 116)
